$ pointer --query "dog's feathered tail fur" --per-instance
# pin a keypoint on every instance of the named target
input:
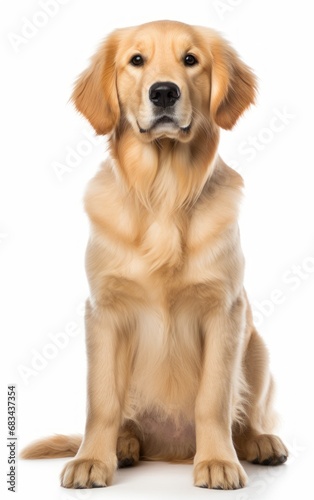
(57, 446)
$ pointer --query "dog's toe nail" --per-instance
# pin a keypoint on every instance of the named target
(96, 485)
(267, 461)
(126, 462)
(282, 459)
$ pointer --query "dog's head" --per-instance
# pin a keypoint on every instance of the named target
(164, 79)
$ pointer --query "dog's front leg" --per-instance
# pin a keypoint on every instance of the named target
(216, 464)
(96, 461)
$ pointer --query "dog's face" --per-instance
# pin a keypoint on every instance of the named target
(164, 79)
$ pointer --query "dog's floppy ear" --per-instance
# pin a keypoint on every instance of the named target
(95, 92)
(233, 84)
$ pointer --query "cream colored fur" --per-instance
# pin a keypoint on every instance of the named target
(176, 370)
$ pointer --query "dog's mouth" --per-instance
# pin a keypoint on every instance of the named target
(165, 121)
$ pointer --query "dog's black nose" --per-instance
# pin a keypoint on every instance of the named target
(164, 94)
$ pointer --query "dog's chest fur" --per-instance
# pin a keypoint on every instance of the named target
(176, 244)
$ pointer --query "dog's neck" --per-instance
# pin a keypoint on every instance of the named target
(166, 175)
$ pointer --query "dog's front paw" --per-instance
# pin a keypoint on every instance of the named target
(219, 475)
(87, 473)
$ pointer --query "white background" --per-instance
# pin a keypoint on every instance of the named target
(43, 230)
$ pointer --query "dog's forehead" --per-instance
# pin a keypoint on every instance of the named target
(159, 36)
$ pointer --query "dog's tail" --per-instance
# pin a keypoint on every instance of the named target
(57, 446)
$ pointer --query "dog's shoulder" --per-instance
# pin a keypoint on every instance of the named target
(217, 208)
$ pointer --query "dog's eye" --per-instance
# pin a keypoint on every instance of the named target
(190, 60)
(137, 60)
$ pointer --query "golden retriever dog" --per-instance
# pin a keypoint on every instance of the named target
(176, 369)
